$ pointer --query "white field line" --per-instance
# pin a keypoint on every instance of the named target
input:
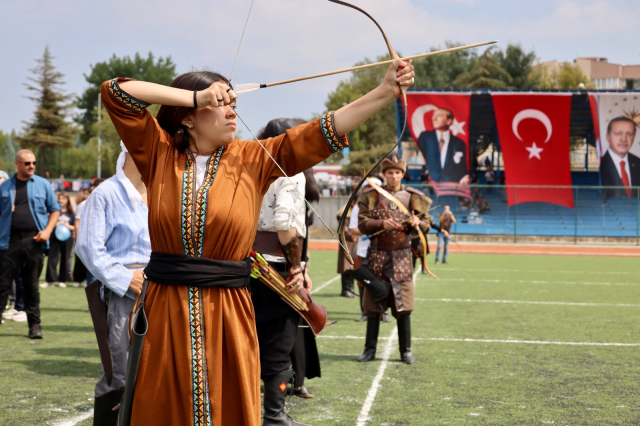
(527, 302)
(323, 285)
(373, 390)
(528, 342)
(72, 421)
(590, 272)
(537, 282)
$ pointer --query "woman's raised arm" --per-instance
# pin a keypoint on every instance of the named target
(354, 114)
(152, 93)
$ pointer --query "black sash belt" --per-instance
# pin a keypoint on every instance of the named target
(179, 269)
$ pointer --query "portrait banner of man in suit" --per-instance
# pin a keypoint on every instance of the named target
(616, 118)
(439, 123)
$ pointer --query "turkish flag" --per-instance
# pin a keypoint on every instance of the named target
(420, 109)
(534, 137)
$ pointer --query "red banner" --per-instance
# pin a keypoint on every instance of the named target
(439, 123)
(534, 138)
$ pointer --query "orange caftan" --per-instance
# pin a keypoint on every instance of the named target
(200, 362)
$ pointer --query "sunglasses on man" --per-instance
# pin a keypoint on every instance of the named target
(28, 163)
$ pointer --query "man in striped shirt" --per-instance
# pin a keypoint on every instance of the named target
(113, 242)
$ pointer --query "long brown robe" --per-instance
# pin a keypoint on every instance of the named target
(200, 363)
(392, 265)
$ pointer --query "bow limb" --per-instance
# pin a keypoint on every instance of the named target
(392, 52)
(404, 210)
(403, 92)
(343, 245)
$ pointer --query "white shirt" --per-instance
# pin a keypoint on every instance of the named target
(363, 246)
(489, 176)
(616, 160)
(283, 206)
(79, 209)
(201, 167)
(443, 152)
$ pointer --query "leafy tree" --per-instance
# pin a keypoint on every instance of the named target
(570, 77)
(9, 150)
(440, 71)
(364, 158)
(3, 161)
(519, 65)
(379, 130)
(161, 71)
(486, 73)
(566, 77)
(49, 129)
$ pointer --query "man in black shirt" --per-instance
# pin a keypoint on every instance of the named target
(29, 212)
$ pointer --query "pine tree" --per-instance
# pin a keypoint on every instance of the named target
(9, 150)
(49, 129)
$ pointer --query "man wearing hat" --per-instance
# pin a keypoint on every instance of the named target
(390, 252)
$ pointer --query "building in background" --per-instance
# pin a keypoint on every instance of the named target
(605, 75)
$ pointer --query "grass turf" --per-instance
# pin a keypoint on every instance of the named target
(452, 383)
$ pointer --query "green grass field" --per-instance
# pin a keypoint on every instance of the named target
(486, 354)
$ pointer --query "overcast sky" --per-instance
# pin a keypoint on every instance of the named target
(289, 38)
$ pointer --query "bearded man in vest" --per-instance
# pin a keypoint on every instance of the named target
(390, 253)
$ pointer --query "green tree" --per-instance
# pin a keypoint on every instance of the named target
(4, 164)
(49, 129)
(9, 150)
(519, 65)
(161, 71)
(486, 73)
(570, 77)
(440, 71)
(378, 130)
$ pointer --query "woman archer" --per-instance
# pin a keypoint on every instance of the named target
(200, 362)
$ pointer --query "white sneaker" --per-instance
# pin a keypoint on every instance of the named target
(9, 314)
(21, 316)
(76, 284)
(44, 285)
(62, 285)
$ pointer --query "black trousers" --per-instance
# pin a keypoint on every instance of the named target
(79, 270)
(23, 251)
(276, 339)
(59, 253)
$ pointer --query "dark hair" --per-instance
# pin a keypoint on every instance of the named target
(276, 127)
(66, 195)
(448, 111)
(311, 189)
(621, 119)
(170, 117)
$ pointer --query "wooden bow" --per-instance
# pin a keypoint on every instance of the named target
(404, 210)
(403, 91)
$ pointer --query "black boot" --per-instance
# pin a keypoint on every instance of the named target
(352, 289)
(275, 391)
(362, 317)
(404, 338)
(103, 414)
(347, 284)
(371, 342)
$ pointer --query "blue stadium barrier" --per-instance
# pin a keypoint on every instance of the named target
(592, 216)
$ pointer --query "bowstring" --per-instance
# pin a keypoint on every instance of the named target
(290, 181)
(241, 38)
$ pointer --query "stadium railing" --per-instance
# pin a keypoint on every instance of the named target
(594, 218)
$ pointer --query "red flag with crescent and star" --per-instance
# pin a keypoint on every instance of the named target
(420, 109)
(534, 139)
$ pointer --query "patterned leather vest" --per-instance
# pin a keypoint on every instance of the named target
(392, 243)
